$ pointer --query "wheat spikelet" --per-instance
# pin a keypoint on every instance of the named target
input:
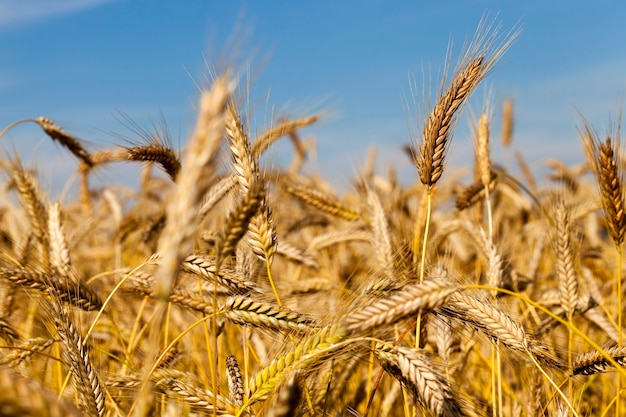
(169, 357)
(65, 139)
(410, 299)
(612, 195)
(7, 332)
(444, 337)
(106, 156)
(415, 370)
(34, 202)
(475, 64)
(494, 260)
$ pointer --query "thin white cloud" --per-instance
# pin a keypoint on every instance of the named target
(15, 13)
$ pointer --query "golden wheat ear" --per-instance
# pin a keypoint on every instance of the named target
(476, 62)
(602, 157)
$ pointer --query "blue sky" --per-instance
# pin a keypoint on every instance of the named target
(84, 63)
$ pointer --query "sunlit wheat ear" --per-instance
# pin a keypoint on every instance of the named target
(68, 141)
(60, 259)
(235, 381)
(444, 337)
(283, 128)
(475, 64)
(380, 232)
(244, 310)
(236, 224)
(565, 268)
(321, 201)
(91, 393)
(603, 158)
(416, 371)
(58, 287)
(407, 301)
(158, 153)
(474, 193)
(245, 165)
(23, 397)
(496, 324)
(311, 351)
(595, 362)
(487, 318)
(262, 233)
(33, 201)
(207, 267)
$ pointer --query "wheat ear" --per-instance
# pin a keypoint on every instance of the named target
(65, 139)
(87, 381)
(414, 369)
(235, 381)
(60, 288)
(595, 362)
(406, 302)
(283, 128)
(158, 153)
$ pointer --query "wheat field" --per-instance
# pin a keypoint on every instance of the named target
(225, 285)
